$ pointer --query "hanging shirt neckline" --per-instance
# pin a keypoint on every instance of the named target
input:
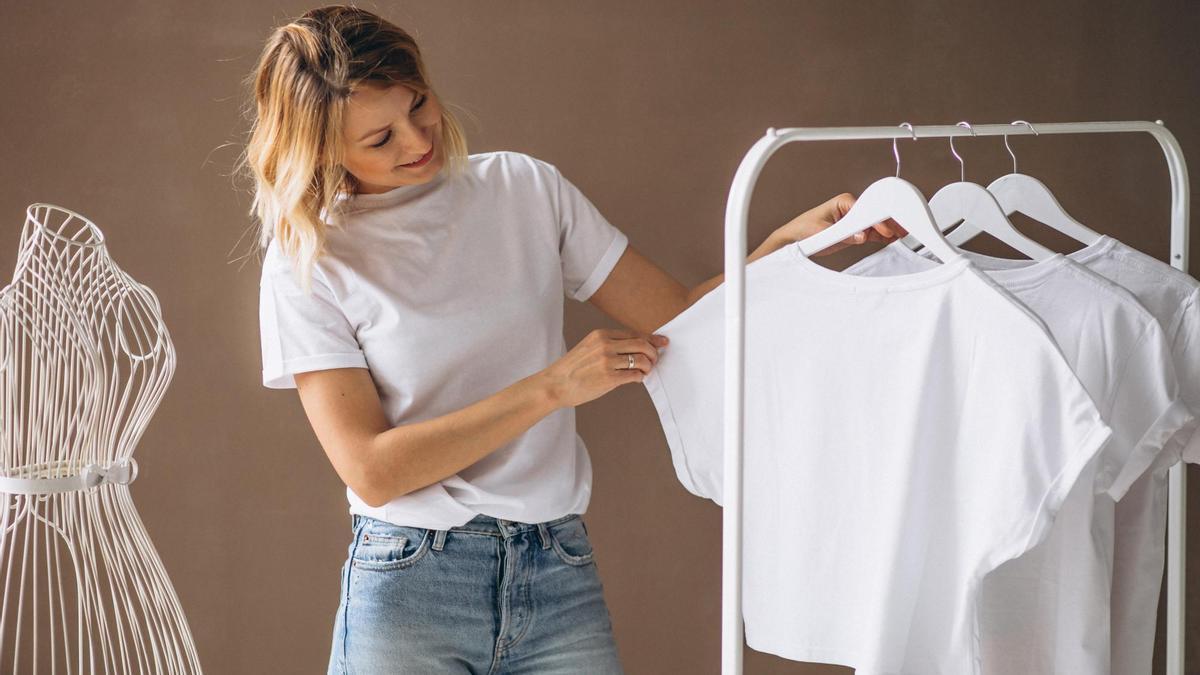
(1008, 272)
(943, 273)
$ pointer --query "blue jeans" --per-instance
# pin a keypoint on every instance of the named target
(491, 596)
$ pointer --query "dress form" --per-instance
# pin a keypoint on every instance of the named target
(85, 360)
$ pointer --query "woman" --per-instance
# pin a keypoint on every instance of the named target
(412, 294)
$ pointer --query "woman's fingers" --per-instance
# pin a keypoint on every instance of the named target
(637, 347)
(651, 339)
(626, 341)
(886, 230)
(890, 229)
(641, 362)
(629, 333)
(837, 207)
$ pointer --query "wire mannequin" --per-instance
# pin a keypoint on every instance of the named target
(85, 360)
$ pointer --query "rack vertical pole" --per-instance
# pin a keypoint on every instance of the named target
(1177, 481)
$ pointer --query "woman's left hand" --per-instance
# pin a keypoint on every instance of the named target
(816, 219)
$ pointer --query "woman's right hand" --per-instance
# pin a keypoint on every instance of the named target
(599, 364)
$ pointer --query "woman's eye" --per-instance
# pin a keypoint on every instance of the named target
(387, 137)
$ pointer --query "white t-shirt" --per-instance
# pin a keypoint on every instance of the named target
(903, 437)
(1048, 610)
(1173, 297)
(448, 292)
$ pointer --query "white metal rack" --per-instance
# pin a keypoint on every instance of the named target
(736, 213)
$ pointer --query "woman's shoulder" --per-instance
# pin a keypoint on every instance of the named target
(276, 262)
(516, 175)
(510, 163)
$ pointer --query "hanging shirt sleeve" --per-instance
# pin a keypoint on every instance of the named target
(1144, 411)
(1186, 350)
(1020, 474)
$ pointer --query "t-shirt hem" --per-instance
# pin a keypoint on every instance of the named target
(1177, 416)
(464, 515)
(836, 657)
(600, 272)
(425, 521)
(662, 403)
(280, 377)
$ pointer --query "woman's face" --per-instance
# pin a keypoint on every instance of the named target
(386, 128)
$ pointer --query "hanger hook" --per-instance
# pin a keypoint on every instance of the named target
(962, 167)
(896, 151)
(1006, 146)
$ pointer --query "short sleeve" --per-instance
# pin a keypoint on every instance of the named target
(589, 246)
(301, 332)
(1185, 351)
(687, 392)
(1144, 411)
(1028, 432)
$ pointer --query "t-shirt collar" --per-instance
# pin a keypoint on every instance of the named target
(1006, 271)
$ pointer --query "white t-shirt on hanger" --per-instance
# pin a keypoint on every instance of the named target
(1173, 297)
(450, 291)
(1048, 611)
(903, 437)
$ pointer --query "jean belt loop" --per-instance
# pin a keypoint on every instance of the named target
(439, 540)
(544, 534)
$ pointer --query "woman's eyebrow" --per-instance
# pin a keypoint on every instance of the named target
(372, 133)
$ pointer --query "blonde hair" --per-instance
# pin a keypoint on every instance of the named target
(304, 76)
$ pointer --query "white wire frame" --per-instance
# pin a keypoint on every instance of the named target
(737, 212)
(85, 359)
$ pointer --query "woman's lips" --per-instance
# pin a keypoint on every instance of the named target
(420, 162)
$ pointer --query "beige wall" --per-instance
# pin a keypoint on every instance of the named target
(130, 113)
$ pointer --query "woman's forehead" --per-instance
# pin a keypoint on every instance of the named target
(371, 106)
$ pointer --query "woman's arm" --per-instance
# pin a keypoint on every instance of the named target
(381, 462)
(639, 294)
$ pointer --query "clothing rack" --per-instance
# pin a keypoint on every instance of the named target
(736, 213)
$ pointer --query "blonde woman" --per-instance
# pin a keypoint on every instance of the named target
(412, 293)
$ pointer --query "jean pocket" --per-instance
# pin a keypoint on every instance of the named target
(570, 542)
(383, 546)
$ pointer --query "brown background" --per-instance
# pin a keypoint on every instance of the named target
(130, 113)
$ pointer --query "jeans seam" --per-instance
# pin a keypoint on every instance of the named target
(528, 607)
(346, 600)
(505, 582)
